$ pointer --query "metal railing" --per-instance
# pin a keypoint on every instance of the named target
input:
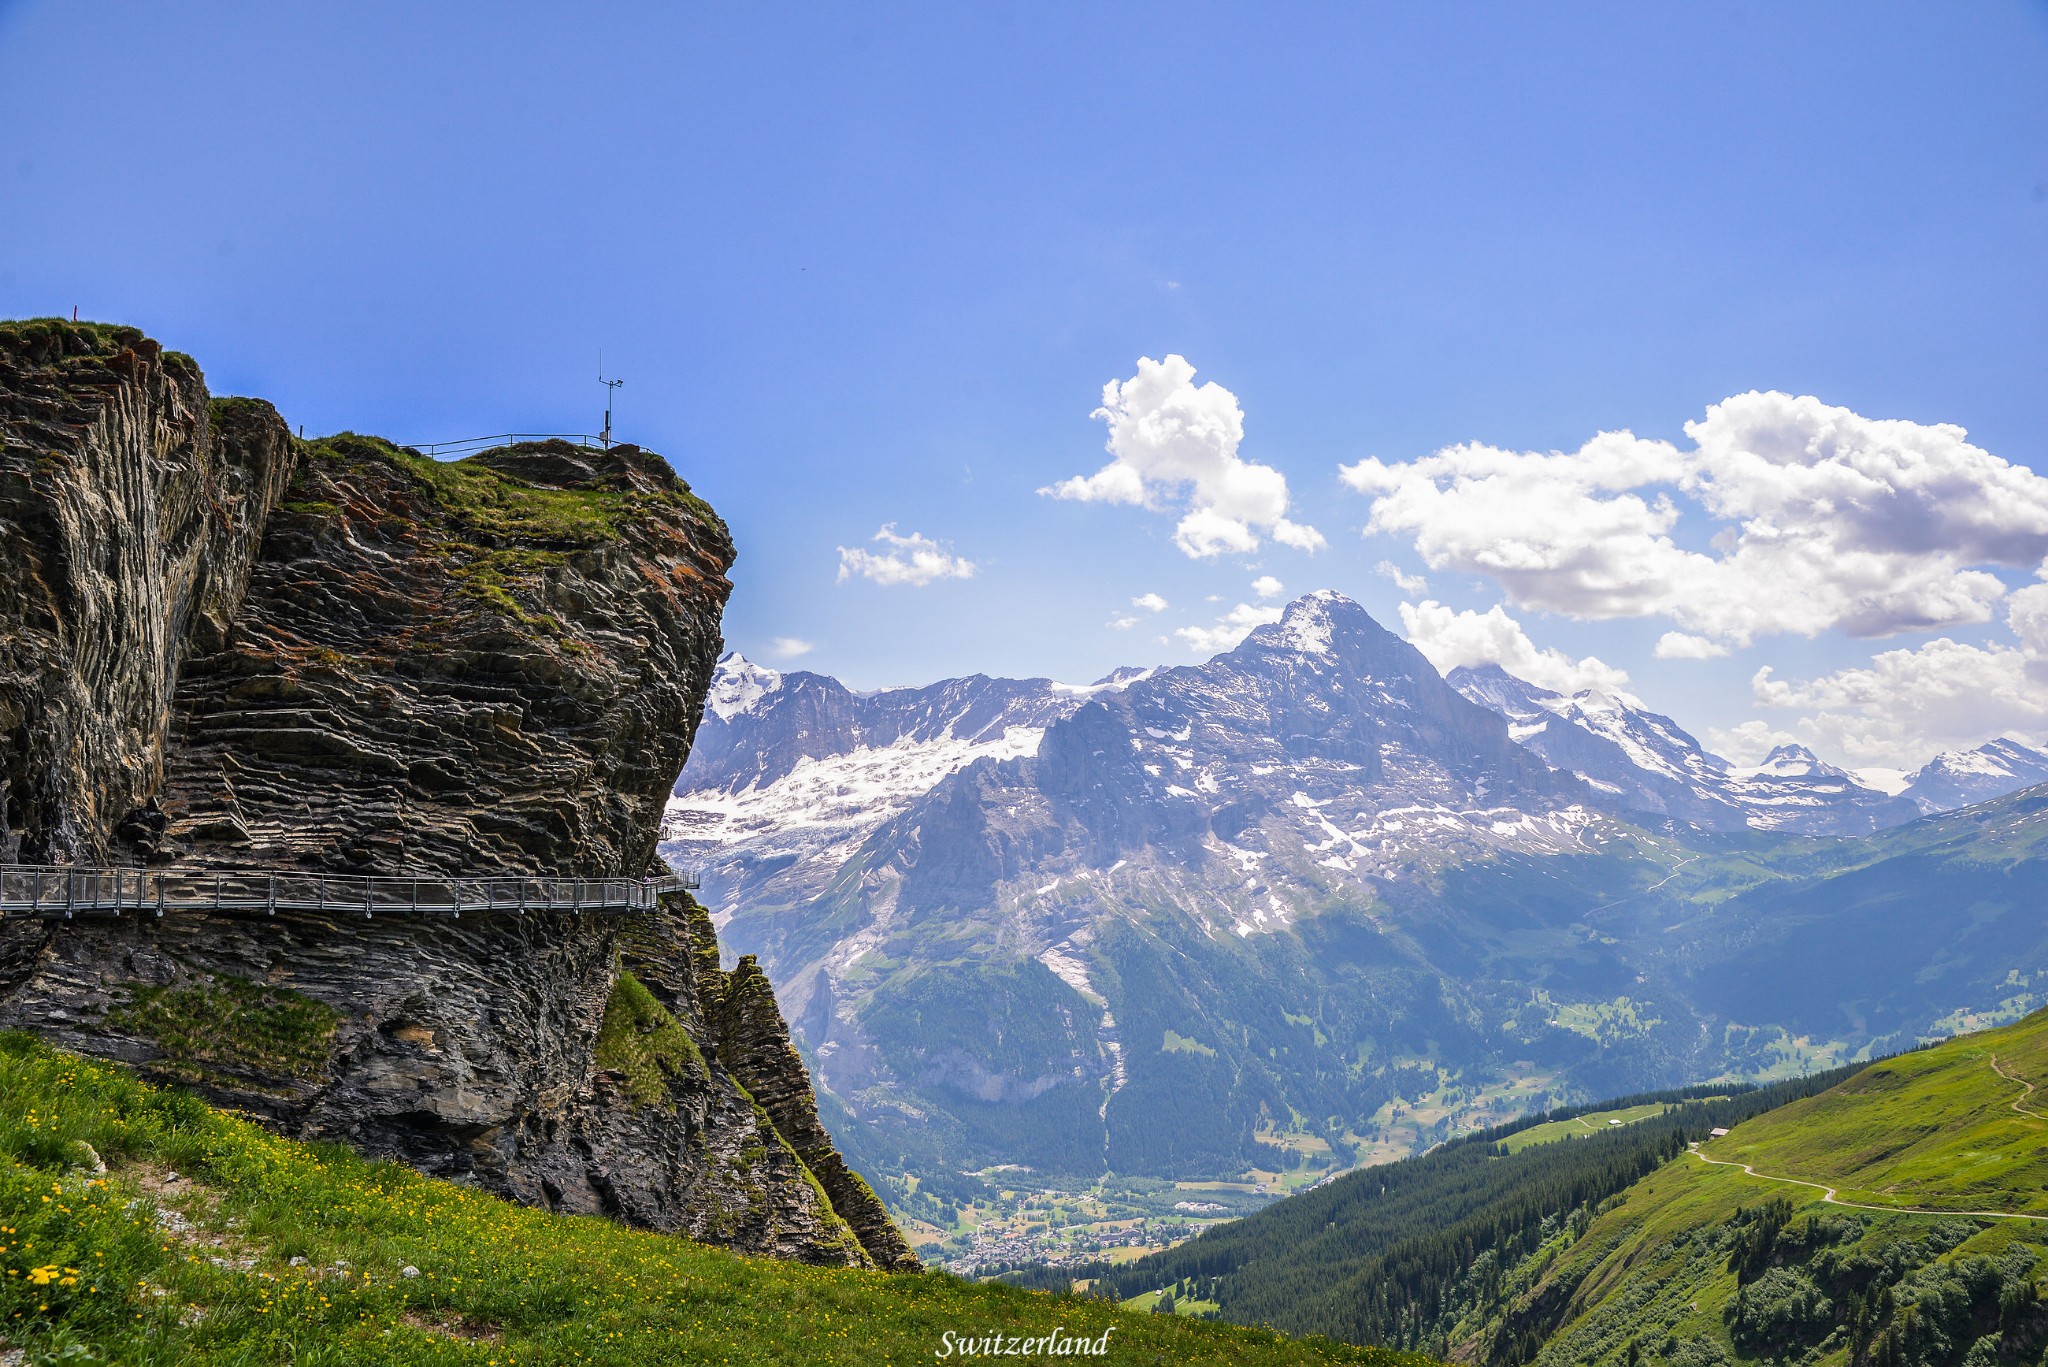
(61, 892)
(440, 450)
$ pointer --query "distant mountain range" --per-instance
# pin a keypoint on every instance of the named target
(1311, 899)
(1637, 761)
(864, 755)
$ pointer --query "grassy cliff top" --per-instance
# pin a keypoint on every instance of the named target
(60, 341)
(547, 493)
(82, 337)
(206, 1239)
(541, 491)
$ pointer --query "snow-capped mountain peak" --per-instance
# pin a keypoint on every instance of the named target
(1640, 761)
(1310, 622)
(738, 685)
(1958, 778)
(1119, 678)
(1793, 761)
(791, 771)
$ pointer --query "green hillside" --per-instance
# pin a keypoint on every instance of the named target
(1407, 1254)
(1891, 1215)
(1580, 1126)
(1941, 1128)
(1928, 1255)
(140, 1226)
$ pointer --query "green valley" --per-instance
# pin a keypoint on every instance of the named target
(141, 1226)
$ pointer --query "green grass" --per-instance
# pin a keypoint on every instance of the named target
(1147, 1303)
(229, 1024)
(1174, 1043)
(1934, 1129)
(641, 1040)
(122, 1268)
(488, 503)
(1656, 1269)
(1605, 1022)
(1685, 1265)
(1593, 1122)
(94, 338)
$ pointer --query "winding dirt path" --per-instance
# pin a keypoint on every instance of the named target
(1827, 1194)
(2024, 1097)
(1671, 875)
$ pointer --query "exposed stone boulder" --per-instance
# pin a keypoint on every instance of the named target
(496, 663)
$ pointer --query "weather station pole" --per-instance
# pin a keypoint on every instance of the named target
(610, 386)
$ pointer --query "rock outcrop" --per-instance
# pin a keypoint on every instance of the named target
(223, 647)
(130, 510)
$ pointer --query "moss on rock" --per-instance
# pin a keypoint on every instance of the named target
(231, 1023)
(640, 1040)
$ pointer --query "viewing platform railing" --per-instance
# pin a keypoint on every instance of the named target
(442, 450)
(62, 892)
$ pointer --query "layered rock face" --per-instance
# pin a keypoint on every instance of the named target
(492, 664)
(235, 650)
(130, 510)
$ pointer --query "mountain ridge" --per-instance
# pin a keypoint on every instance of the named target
(1308, 900)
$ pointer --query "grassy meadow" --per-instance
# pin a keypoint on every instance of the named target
(140, 1226)
(1700, 1265)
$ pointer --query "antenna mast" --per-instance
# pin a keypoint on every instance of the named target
(609, 387)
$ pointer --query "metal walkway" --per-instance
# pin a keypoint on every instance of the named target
(62, 892)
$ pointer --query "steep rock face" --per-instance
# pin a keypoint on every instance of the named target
(490, 666)
(130, 509)
(493, 664)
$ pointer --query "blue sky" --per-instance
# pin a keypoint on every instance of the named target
(872, 266)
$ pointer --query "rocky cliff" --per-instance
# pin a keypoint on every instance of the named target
(223, 647)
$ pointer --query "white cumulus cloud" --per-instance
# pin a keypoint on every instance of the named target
(1452, 638)
(1228, 629)
(1266, 586)
(1151, 602)
(2027, 613)
(1907, 705)
(790, 647)
(1679, 645)
(1414, 585)
(1124, 623)
(1173, 442)
(1822, 520)
(914, 560)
